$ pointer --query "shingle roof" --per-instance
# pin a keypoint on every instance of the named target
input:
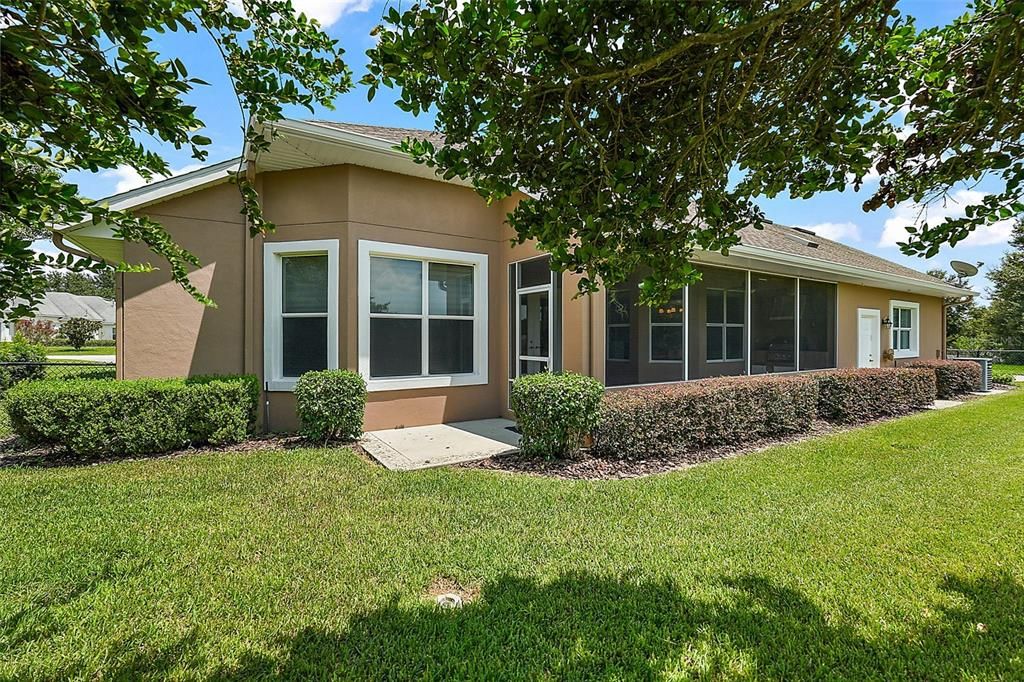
(789, 240)
(388, 134)
(773, 237)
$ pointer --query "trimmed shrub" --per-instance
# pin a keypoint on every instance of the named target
(952, 377)
(640, 422)
(855, 395)
(20, 350)
(555, 412)
(110, 417)
(1003, 378)
(100, 343)
(331, 404)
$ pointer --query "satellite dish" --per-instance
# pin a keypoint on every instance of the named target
(963, 269)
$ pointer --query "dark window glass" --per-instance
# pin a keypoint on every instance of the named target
(716, 306)
(772, 324)
(618, 343)
(735, 304)
(450, 289)
(817, 325)
(396, 286)
(304, 280)
(451, 346)
(734, 343)
(395, 347)
(304, 345)
(667, 342)
(534, 272)
(533, 324)
(672, 311)
(714, 343)
(620, 307)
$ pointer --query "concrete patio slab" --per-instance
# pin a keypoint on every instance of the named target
(422, 447)
(943, 404)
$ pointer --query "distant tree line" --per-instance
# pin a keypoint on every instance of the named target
(1000, 324)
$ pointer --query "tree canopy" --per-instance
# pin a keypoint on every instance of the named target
(84, 89)
(1006, 312)
(643, 131)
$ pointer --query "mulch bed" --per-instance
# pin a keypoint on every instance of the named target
(588, 467)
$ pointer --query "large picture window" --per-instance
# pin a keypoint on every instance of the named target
(423, 316)
(300, 309)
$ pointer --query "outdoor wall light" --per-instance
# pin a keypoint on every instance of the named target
(887, 323)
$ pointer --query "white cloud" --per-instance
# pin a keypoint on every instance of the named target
(128, 178)
(910, 213)
(325, 11)
(835, 231)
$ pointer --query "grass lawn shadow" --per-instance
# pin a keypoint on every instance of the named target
(584, 626)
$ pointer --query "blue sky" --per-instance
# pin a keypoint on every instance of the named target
(835, 215)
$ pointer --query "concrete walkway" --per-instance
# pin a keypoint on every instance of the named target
(422, 447)
(82, 358)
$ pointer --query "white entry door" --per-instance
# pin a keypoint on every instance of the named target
(869, 337)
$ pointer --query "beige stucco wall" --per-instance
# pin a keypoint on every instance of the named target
(850, 297)
(163, 332)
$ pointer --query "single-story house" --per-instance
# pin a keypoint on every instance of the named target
(57, 307)
(379, 266)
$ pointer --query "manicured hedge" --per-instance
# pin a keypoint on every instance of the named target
(20, 350)
(636, 423)
(855, 395)
(953, 378)
(331, 404)
(555, 412)
(110, 417)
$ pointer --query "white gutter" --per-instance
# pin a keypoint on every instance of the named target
(884, 278)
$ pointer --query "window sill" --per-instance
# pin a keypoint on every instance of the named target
(905, 354)
(409, 383)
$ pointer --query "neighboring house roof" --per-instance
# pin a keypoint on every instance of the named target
(309, 144)
(60, 305)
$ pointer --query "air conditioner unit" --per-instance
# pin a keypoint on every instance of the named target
(986, 372)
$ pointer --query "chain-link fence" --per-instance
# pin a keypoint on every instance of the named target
(1000, 356)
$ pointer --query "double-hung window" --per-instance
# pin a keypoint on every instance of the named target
(423, 316)
(300, 296)
(726, 313)
(905, 328)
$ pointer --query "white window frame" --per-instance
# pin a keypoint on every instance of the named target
(914, 329)
(478, 261)
(274, 254)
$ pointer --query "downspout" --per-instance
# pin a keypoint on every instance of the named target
(58, 241)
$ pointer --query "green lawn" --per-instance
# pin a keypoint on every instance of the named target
(1012, 369)
(892, 551)
(88, 350)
